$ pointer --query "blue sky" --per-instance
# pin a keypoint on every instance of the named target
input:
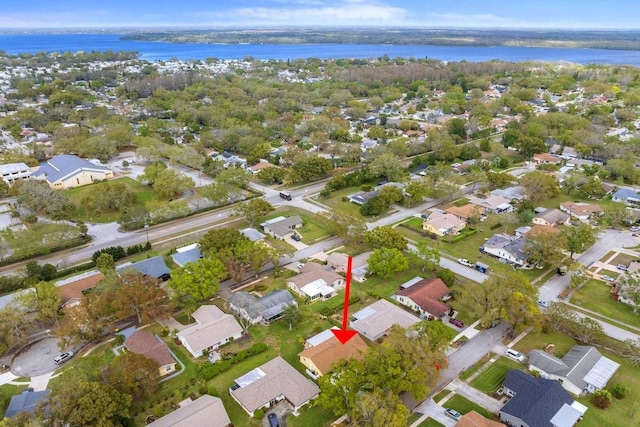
(561, 14)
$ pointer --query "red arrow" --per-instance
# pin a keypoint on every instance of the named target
(345, 334)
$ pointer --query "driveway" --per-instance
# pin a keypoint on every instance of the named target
(37, 359)
(282, 409)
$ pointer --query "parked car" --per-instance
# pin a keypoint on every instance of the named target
(622, 267)
(273, 420)
(456, 322)
(543, 304)
(562, 270)
(634, 229)
(452, 413)
(607, 278)
(515, 355)
(63, 357)
(300, 265)
(466, 263)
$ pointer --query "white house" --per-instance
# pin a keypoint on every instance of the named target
(67, 171)
(213, 328)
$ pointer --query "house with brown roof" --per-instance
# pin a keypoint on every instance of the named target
(546, 159)
(359, 264)
(212, 329)
(581, 211)
(442, 223)
(551, 217)
(474, 419)
(493, 203)
(467, 211)
(425, 297)
(72, 289)
(316, 282)
(375, 320)
(325, 350)
(270, 383)
(263, 164)
(537, 229)
(206, 410)
(150, 346)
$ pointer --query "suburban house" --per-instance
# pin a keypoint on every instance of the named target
(205, 410)
(508, 248)
(514, 193)
(147, 344)
(73, 288)
(323, 350)
(27, 401)
(375, 320)
(464, 167)
(425, 297)
(270, 383)
(281, 227)
(546, 159)
(442, 223)
(252, 234)
(229, 160)
(551, 217)
(537, 402)
(621, 291)
(13, 172)
(467, 211)
(581, 211)
(626, 196)
(153, 267)
(66, 171)
(492, 204)
(359, 263)
(263, 164)
(187, 254)
(582, 370)
(264, 309)
(538, 229)
(474, 419)
(212, 329)
(362, 197)
(316, 282)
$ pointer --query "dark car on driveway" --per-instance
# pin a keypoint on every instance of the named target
(457, 323)
(273, 420)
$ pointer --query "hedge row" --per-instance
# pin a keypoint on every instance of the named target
(208, 371)
(118, 252)
(332, 309)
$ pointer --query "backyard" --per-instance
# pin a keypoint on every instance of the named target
(595, 295)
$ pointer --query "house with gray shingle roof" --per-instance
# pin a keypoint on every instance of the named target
(67, 171)
(281, 227)
(152, 267)
(506, 247)
(27, 401)
(205, 410)
(212, 329)
(264, 309)
(626, 196)
(582, 369)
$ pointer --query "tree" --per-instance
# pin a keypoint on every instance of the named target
(386, 262)
(216, 192)
(133, 374)
(88, 404)
(253, 209)
(457, 128)
(48, 301)
(593, 188)
(151, 172)
(630, 288)
(579, 237)
(425, 257)
(140, 296)
(169, 183)
(415, 191)
(199, 280)
(310, 168)
(538, 186)
(84, 322)
(105, 263)
(348, 227)
(601, 399)
(374, 206)
(499, 179)
(291, 315)
(545, 248)
(528, 146)
(272, 175)
(390, 194)
(234, 177)
(219, 239)
(389, 166)
(385, 237)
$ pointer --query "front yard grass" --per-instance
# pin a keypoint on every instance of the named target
(441, 395)
(492, 378)
(314, 416)
(430, 422)
(595, 295)
(622, 258)
(538, 340)
(7, 391)
(464, 405)
(335, 201)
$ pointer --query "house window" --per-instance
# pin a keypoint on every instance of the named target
(78, 181)
(168, 369)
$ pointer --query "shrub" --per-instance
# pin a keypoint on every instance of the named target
(208, 371)
(447, 276)
(496, 225)
(602, 399)
(620, 391)
(258, 414)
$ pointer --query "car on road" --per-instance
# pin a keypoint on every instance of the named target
(452, 413)
(456, 322)
(273, 420)
(607, 278)
(466, 262)
(64, 357)
(622, 267)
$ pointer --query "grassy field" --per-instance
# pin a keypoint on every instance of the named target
(473, 369)
(335, 201)
(538, 340)
(464, 405)
(595, 295)
(491, 378)
(430, 422)
(143, 194)
(7, 391)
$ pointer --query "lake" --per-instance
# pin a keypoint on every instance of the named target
(151, 51)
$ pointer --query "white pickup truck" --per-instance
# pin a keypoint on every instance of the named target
(466, 263)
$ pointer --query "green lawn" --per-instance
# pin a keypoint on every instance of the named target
(595, 295)
(491, 378)
(314, 416)
(7, 391)
(441, 395)
(538, 340)
(335, 201)
(430, 422)
(473, 369)
(414, 223)
(143, 194)
(312, 229)
(464, 405)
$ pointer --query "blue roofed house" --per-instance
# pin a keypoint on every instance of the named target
(537, 402)
(153, 267)
(187, 254)
(626, 196)
(67, 171)
(27, 401)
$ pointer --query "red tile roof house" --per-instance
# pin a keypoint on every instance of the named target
(71, 289)
(425, 297)
(147, 344)
(546, 158)
(581, 211)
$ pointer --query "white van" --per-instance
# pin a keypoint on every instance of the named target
(515, 355)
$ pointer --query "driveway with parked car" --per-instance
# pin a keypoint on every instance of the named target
(39, 358)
